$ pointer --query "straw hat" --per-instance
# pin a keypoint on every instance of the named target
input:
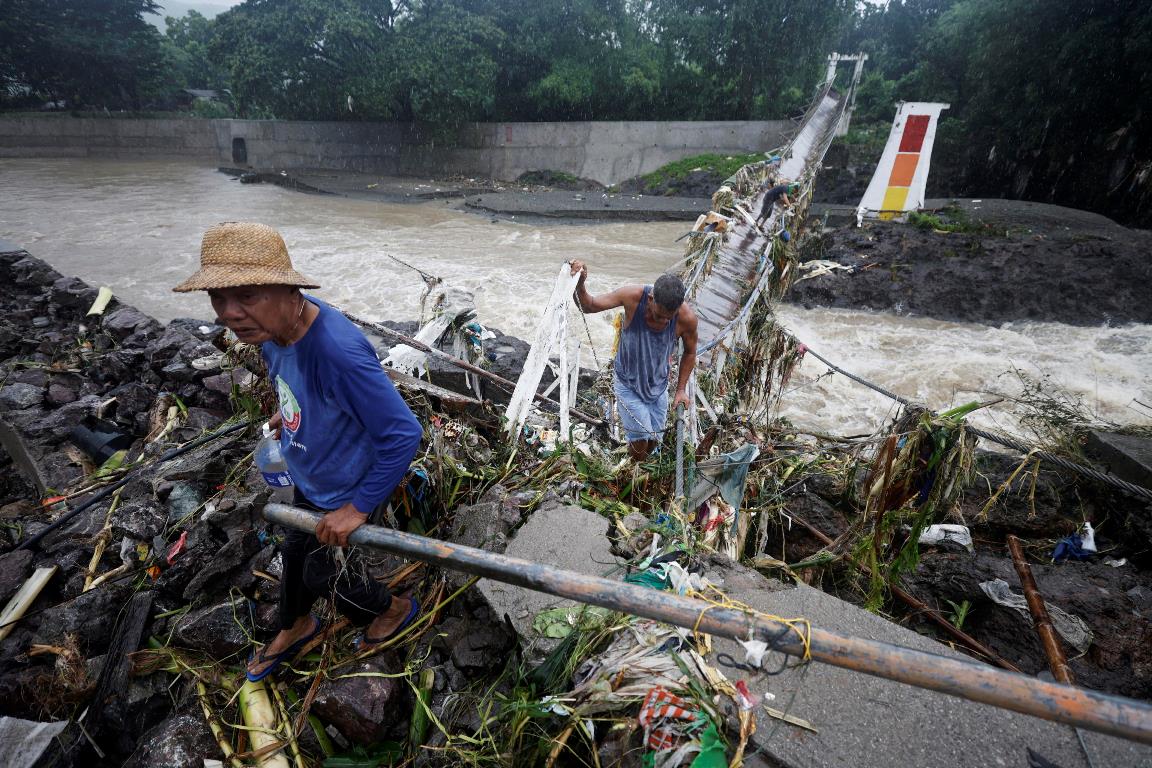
(236, 253)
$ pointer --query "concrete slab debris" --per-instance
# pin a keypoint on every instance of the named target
(1127, 456)
(863, 720)
(560, 535)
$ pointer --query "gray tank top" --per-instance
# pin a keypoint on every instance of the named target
(642, 357)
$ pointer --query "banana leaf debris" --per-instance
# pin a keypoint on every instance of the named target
(128, 628)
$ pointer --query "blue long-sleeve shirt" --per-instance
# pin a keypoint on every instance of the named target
(347, 435)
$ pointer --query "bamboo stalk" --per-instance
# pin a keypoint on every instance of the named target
(558, 745)
(1048, 637)
(747, 719)
(105, 577)
(101, 541)
(439, 593)
(215, 727)
(322, 737)
(418, 728)
(402, 573)
(288, 727)
(260, 719)
(22, 600)
(321, 673)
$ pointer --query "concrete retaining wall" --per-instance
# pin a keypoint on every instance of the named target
(368, 147)
(608, 152)
(96, 137)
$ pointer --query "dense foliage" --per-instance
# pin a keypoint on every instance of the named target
(98, 52)
(1051, 99)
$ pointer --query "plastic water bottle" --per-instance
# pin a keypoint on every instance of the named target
(270, 460)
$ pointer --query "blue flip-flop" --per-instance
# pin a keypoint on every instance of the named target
(363, 642)
(284, 655)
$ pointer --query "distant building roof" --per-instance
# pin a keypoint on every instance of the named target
(201, 93)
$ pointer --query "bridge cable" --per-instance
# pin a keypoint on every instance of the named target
(1007, 441)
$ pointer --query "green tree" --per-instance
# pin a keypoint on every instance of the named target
(1051, 100)
(443, 65)
(303, 59)
(576, 60)
(742, 58)
(88, 52)
(187, 42)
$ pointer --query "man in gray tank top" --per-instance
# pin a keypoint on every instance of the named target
(655, 316)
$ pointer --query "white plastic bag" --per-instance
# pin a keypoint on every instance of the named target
(1087, 537)
(938, 534)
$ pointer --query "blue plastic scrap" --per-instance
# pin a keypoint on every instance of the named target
(1070, 548)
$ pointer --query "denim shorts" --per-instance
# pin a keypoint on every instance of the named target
(640, 419)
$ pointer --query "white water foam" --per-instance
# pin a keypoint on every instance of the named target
(943, 365)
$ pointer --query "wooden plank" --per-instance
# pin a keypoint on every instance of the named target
(445, 396)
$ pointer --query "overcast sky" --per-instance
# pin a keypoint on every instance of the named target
(178, 8)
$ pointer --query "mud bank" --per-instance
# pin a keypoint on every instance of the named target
(486, 196)
(1021, 261)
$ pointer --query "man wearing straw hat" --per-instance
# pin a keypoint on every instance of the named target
(345, 432)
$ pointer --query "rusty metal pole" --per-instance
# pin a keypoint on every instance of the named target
(1048, 637)
(1101, 712)
(463, 364)
(919, 605)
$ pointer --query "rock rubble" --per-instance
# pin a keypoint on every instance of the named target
(190, 555)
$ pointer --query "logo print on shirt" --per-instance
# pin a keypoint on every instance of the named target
(289, 408)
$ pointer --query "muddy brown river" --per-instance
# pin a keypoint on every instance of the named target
(136, 228)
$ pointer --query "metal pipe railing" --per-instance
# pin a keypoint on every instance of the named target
(1101, 712)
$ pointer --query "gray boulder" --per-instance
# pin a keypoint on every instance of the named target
(123, 321)
(364, 709)
(216, 630)
(486, 524)
(141, 519)
(91, 617)
(561, 535)
(181, 741)
(18, 396)
(15, 567)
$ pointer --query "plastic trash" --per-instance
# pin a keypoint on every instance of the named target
(1072, 628)
(1088, 537)
(947, 533)
(270, 460)
(183, 501)
(1069, 548)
